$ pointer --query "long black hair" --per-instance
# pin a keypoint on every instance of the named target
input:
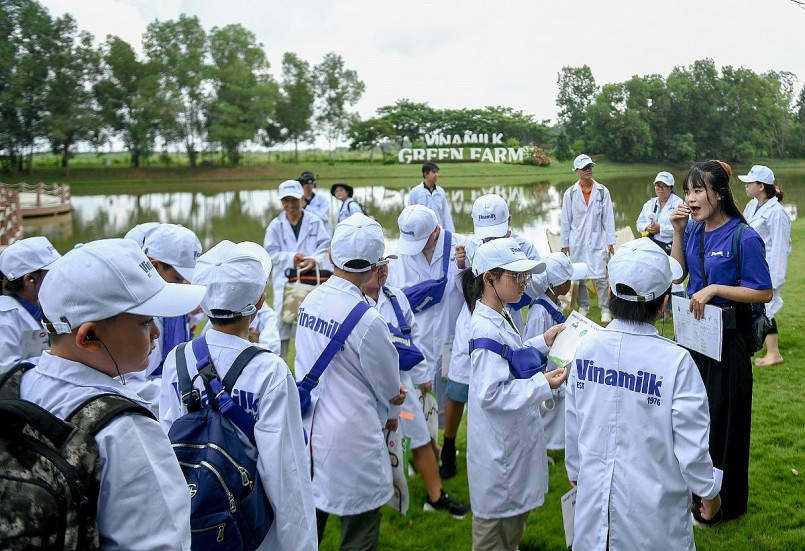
(473, 286)
(715, 175)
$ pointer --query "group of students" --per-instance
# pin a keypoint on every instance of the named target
(117, 310)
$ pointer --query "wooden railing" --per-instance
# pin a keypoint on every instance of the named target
(42, 190)
(10, 215)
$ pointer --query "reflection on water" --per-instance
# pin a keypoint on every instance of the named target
(240, 215)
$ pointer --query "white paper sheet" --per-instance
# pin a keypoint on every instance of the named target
(577, 328)
(704, 335)
(569, 514)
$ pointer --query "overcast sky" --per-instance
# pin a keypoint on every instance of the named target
(472, 53)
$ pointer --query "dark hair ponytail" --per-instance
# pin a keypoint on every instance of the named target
(772, 190)
(716, 175)
(473, 286)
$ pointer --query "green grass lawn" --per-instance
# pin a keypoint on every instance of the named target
(776, 517)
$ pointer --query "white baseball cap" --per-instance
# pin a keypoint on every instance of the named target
(490, 216)
(504, 253)
(416, 223)
(235, 275)
(175, 245)
(141, 231)
(559, 269)
(642, 265)
(104, 278)
(291, 188)
(581, 161)
(358, 244)
(26, 256)
(664, 178)
(758, 173)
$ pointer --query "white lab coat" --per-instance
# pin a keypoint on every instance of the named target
(282, 246)
(773, 224)
(588, 229)
(143, 503)
(436, 201)
(413, 423)
(437, 323)
(17, 324)
(348, 208)
(320, 206)
(663, 217)
(637, 455)
(351, 468)
(507, 467)
(282, 458)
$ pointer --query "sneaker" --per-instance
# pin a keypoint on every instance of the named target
(448, 468)
(446, 503)
(584, 311)
(606, 317)
(699, 521)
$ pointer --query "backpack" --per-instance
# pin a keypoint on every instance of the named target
(50, 477)
(229, 509)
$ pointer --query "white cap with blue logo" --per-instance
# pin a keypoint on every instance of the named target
(642, 265)
(504, 253)
(416, 223)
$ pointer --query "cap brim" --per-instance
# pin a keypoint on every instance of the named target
(294, 195)
(174, 299)
(525, 265)
(676, 268)
(411, 247)
(746, 179)
(579, 271)
(498, 230)
(185, 272)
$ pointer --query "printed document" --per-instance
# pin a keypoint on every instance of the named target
(569, 515)
(577, 328)
(702, 335)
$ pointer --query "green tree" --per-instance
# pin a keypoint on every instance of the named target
(178, 50)
(130, 98)
(409, 120)
(244, 94)
(371, 134)
(615, 129)
(563, 150)
(577, 89)
(338, 88)
(294, 112)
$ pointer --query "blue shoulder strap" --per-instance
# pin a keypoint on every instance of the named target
(493, 346)
(448, 241)
(310, 380)
(401, 323)
(552, 310)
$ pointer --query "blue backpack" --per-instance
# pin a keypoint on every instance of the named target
(524, 362)
(228, 507)
(401, 337)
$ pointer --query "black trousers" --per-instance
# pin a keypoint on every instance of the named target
(729, 394)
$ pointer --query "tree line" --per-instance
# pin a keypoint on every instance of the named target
(212, 90)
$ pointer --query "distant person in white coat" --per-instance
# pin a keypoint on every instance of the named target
(349, 206)
(588, 232)
(235, 276)
(427, 193)
(654, 220)
(23, 266)
(768, 218)
(313, 202)
(295, 240)
(357, 395)
(507, 467)
(638, 421)
(99, 301)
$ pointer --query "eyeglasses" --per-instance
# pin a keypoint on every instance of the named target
(520, 277)
(586, 168)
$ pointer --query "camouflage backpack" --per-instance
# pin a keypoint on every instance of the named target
(50, 469)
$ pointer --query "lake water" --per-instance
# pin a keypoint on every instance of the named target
(240, 215)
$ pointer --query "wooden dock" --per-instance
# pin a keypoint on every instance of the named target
(18, 201)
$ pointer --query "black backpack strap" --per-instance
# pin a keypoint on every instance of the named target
(239, 365)
(190, 398)
(10, 381)
(17, 413)
(736, 248)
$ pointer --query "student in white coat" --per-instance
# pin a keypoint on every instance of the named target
(637, 419)
(422, 259)
(490, 220)
(100, 299)
(654, 220)
(172, 249)
(23, 266)
(235, 276)
(297, 240)
(768, 218)
(507, 468)
(427, 193)
(412, 419)
(588, 232)
(357, 395)
(544, 312)
(313, 202)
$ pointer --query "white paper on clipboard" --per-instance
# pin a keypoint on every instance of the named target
(569, 514)
(577, 329)
(703, 335)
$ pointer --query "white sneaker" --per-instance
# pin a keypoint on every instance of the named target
(606, 317)
(584, 311)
